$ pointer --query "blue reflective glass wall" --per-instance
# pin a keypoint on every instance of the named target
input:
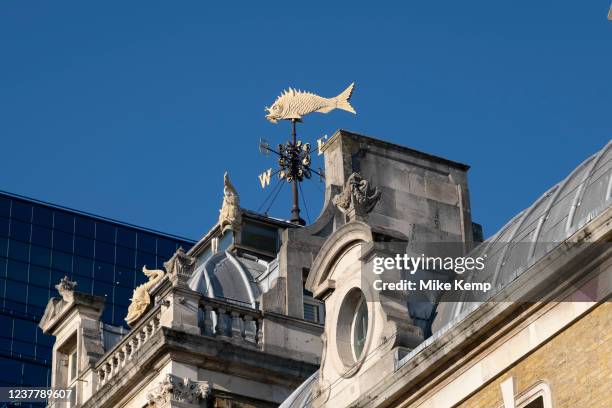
(41, 243)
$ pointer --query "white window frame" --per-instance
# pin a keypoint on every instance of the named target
(541, 389)
(64, 376)
(320, 306)
(73, 361)
(69, 361)
(362, 302)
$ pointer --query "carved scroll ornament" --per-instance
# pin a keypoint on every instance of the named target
(358, 197)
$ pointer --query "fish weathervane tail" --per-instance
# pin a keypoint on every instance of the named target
(293, 104)
(343, 99)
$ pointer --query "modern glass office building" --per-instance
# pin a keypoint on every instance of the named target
(39, 244)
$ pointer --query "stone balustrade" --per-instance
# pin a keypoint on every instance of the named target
(127, 348)
(222, 319)
(231, 321)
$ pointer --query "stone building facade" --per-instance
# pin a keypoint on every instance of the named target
(215, 327)
(262, 313)
(521, 345)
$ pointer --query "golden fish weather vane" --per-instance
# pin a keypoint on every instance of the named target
(293, 104)
(294, 161)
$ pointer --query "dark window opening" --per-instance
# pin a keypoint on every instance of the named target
(258, 236)
(536, 403)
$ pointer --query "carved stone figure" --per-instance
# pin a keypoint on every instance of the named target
(293, 104)
(357, 198)
(174, 388)
(141, 298)
(66, 287)
(180, 267)
(230, 215)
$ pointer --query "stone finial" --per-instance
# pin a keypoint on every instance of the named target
(66, 287)
(178, 389)
(230, 215)
(358, 197)
(180, 267)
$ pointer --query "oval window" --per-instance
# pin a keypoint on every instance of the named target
(352, 327)
(359, 327)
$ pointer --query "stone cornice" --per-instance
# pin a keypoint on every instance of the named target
(392, 146)
(314, 328)
(58, 309)
(244, 361)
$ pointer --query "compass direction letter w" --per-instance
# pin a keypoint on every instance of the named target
(264, 178)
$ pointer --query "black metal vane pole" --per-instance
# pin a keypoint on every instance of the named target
(295, 211)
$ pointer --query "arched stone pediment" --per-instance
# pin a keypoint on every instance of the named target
(338, 242)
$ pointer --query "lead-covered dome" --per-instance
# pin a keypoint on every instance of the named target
(534, 232)
(229, 277)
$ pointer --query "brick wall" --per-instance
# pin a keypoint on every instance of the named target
(576, 364)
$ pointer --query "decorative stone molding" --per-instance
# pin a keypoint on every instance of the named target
(66, 287)
(180, 267)
(230, 215)
(358, 197)
(178, 389)
(318, 280)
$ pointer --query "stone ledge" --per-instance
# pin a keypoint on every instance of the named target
(392, 146)
(209, 352)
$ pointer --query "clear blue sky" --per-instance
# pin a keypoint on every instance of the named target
(133, 110)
